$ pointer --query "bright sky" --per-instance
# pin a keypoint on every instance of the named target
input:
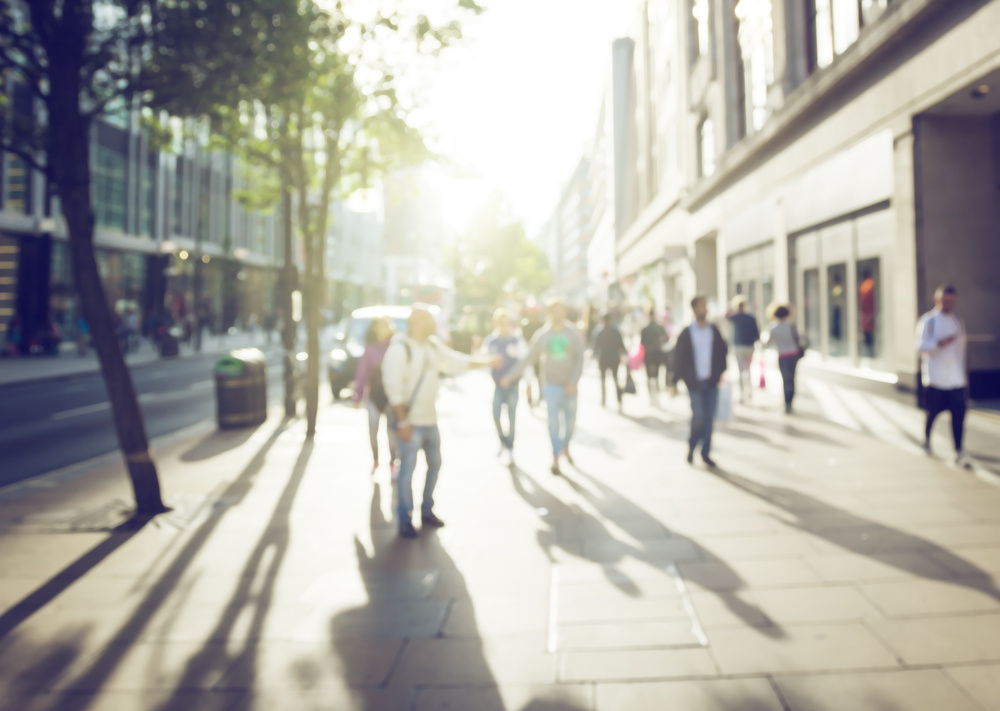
(517, 102)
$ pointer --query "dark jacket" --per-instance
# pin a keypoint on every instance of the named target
(609, 347)
(745, 331)
(684, 368)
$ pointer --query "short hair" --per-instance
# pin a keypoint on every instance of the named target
(782, 312)
(945, 289)
(739, 302)
(698, 298)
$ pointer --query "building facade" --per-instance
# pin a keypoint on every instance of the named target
(842, 155)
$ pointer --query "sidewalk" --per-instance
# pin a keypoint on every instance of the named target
(819, 568)
(68, 362)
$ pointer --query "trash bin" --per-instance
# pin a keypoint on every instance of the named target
(241, 388)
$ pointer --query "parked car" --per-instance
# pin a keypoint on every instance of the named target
(350, 343)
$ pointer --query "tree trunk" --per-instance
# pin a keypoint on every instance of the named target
(312, 295)
(69, 164)
(289, 277)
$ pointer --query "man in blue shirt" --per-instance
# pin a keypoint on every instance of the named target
(510, 347)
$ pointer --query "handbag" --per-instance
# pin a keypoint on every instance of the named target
(629, 388)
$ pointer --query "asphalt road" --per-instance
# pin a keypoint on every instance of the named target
(52, 424)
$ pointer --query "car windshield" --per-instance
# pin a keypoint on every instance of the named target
(359, 327)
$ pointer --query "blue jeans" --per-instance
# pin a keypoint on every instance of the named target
(562, 416)
(429, 440)
(505, 396)
(704, 400)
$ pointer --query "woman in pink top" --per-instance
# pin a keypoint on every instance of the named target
(368, 380)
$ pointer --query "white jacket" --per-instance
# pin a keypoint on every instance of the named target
(942, 368)
(402, 366)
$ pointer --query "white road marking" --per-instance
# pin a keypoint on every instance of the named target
(85, 410)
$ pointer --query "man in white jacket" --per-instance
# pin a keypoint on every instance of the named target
(410, 377)
(943, 370)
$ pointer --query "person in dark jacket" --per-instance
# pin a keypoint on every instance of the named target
(745, 337)
(700, 361)
(654, 339)
(609, 349)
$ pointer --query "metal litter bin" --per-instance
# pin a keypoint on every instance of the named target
(241, 388)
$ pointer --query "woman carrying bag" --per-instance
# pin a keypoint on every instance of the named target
(784, 337)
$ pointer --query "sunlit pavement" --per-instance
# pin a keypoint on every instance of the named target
(821, 566)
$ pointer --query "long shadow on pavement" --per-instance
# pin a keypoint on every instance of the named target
(864, 536)
(103, 665)
(725, 582)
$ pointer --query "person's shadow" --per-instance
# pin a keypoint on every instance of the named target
(399, 577)
(723, 581)
(866, 537)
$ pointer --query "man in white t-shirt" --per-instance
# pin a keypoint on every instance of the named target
(410, 378)
(943, 369)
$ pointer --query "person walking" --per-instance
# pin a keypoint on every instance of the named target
(784, 337)
(653, 338)
(562, 347)
(369, 388)
(410, 372)
(745, 337)
(508, 347)
(609, 349)
(700, 361)
(941, 342)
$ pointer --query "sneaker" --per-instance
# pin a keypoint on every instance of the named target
(709, 462)
(406, 530)
(431, 520)
(927, 448)
(963, 461)
(555, 468)
(690, 456)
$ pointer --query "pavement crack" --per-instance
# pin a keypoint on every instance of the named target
(395, 663)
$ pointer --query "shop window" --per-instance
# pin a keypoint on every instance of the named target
(766, 293)
(869, 308)
(16, 192)
(810, 306)
(706, 144)
(836, 276)
(756, 40)
(108, 188)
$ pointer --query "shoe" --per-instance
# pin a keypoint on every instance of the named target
(927, 448)
(709, 462)
(963, 461)
(406, 530)
(555, 469)
(788, 409)
(431, 520)
(690, 456)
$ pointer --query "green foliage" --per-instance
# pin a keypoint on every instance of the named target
(494, 260)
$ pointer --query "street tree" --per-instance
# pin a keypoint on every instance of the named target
(80, 60)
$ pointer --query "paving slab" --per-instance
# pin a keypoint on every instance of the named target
(981, 682)
(919, 690)
(633, 665)
(943, 640)
(702, 695)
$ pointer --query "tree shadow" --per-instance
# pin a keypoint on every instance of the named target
(100, 668)
(864, 536)
(723, 581)
(217, 442)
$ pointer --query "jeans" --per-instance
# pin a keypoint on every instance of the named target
(428, 439)
(505, 396)
(704, 400)
(786, 364)
(562, 416)
(374, 420)
(954, 402)
(613, 369)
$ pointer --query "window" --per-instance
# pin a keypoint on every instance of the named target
(869, 308)
(108, 187)
(706, 144)
(756, 40)
(810, 283)
(147, 197)
(699, 10)
(836, 24)
(16, 179)
(179, 197)
(836, 277)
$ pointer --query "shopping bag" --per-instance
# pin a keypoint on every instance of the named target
(629, 388)
(636, 357)
(763, 383)
(724, 408)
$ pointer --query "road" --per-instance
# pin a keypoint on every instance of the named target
(52, 424)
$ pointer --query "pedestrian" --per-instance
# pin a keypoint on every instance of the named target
(653, 338)
(609, 349)
(784, 337)
(369, 388)
(530, 325)
(509, 347)
(410, 372)
(943, 369)
(700, 361)
(745, 337)
(562, 346)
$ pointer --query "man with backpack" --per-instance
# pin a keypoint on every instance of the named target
(410, 372)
